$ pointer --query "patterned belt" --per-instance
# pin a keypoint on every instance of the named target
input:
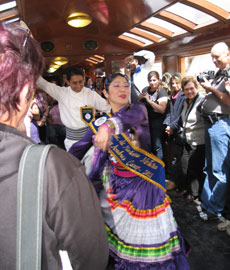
(75, 134)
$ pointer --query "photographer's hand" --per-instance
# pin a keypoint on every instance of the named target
(224, 97)
(227, 86)
(206, 85)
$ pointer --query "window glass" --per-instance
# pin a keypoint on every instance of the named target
(144, 40)
(8, 5)
(150, 33)
(191, 14)
(224, 4)
(157, 66)
(171, 27)
(195, 65)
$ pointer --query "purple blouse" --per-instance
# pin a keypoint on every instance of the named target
(133, 118)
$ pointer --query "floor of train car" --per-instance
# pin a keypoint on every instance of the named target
(210, 247)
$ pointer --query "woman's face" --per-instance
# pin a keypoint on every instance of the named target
(118, 94)
(190, 90)
(175, 85)
(153, 82)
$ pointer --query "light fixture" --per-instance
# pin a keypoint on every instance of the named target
(61, 60)
(79, 19)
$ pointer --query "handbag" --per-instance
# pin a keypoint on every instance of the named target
(29, 207)
(180, 137)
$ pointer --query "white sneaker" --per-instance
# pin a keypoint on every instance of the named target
(223, 226)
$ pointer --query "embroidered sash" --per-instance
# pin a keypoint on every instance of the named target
(134, 159)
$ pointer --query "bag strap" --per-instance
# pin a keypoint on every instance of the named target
(29, 207)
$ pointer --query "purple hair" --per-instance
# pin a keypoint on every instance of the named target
(21, 62)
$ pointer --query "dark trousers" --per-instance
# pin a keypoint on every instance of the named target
(176, 174)
(192, 165)
(56, 135)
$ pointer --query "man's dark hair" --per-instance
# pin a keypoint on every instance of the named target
(75, 71)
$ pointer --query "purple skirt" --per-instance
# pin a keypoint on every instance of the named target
(141, 228)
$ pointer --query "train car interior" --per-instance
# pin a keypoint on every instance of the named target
(100, 34)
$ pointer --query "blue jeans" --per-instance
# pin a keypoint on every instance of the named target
(217, 166)
(156, 131)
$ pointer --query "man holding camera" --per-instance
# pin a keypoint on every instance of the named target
(216, 111)
(137, 68)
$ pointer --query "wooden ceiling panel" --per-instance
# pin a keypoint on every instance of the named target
(110, 19)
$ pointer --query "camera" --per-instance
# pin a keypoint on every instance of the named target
(143, 100)
(209, 75)
(128, 66)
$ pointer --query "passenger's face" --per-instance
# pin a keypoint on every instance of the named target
(118, 94)
(175, 85)
(90, 82)
(76, 83)
(153, 82)
(190, 90)
(220, 58)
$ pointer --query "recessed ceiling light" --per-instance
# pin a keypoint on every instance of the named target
(79, 19)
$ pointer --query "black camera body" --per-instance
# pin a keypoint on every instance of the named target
(128, 66)
(143, 100)
(209, 75)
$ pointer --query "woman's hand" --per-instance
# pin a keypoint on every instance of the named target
(102, 139)
(168, 130)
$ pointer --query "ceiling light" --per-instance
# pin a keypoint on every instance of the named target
(61, 60)
(79, 19)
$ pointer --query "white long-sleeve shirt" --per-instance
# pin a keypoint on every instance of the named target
(140, 77)
(70, 102)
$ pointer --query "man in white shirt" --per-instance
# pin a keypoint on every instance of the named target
(138, 66)
(71, 100)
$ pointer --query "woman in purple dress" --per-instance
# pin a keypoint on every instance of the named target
(130, 181)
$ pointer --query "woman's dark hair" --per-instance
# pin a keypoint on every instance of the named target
(21, 62)
(188, 79)
(112, 77)
(153, 74)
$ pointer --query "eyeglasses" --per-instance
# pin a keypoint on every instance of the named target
(28, 32)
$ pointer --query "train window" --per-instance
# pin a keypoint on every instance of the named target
(9, 11)
(192, 14)
(221, 3)
(194, 65)
(8, 5)
(164, 24)
(138, 38)
(157, 66)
